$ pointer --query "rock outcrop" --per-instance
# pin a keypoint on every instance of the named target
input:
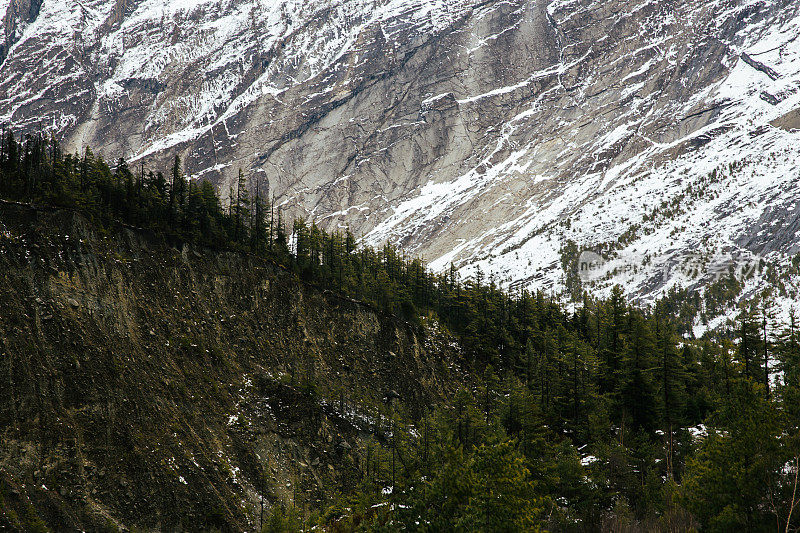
(489, 134)
(148, 384)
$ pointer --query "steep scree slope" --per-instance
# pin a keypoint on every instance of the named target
(154, 385)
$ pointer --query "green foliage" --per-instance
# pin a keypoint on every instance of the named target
(568, 420)
(732, 481)
(488, 488)
(283, 520)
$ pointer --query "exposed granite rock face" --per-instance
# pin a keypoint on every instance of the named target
(18, 13)
(484, 133)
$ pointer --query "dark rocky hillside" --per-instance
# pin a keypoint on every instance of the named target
(151, 384)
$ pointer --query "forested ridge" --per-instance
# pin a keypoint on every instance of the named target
(600, 417)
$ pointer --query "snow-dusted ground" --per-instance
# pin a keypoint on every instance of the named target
(672, 166)
(740, 169)
(226, 37)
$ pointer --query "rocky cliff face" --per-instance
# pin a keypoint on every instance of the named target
(495, 135)
(150, 385)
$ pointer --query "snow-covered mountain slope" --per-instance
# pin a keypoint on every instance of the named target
(505, 136)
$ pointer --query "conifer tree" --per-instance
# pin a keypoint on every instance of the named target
(749, 345)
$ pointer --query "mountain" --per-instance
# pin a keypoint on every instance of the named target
(504, 137)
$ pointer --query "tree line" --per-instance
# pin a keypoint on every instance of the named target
(601, 415)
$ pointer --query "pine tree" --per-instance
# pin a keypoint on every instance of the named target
(749, 345)
(737, 471)
(671, 382)
(242, 209)
(176, 190)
